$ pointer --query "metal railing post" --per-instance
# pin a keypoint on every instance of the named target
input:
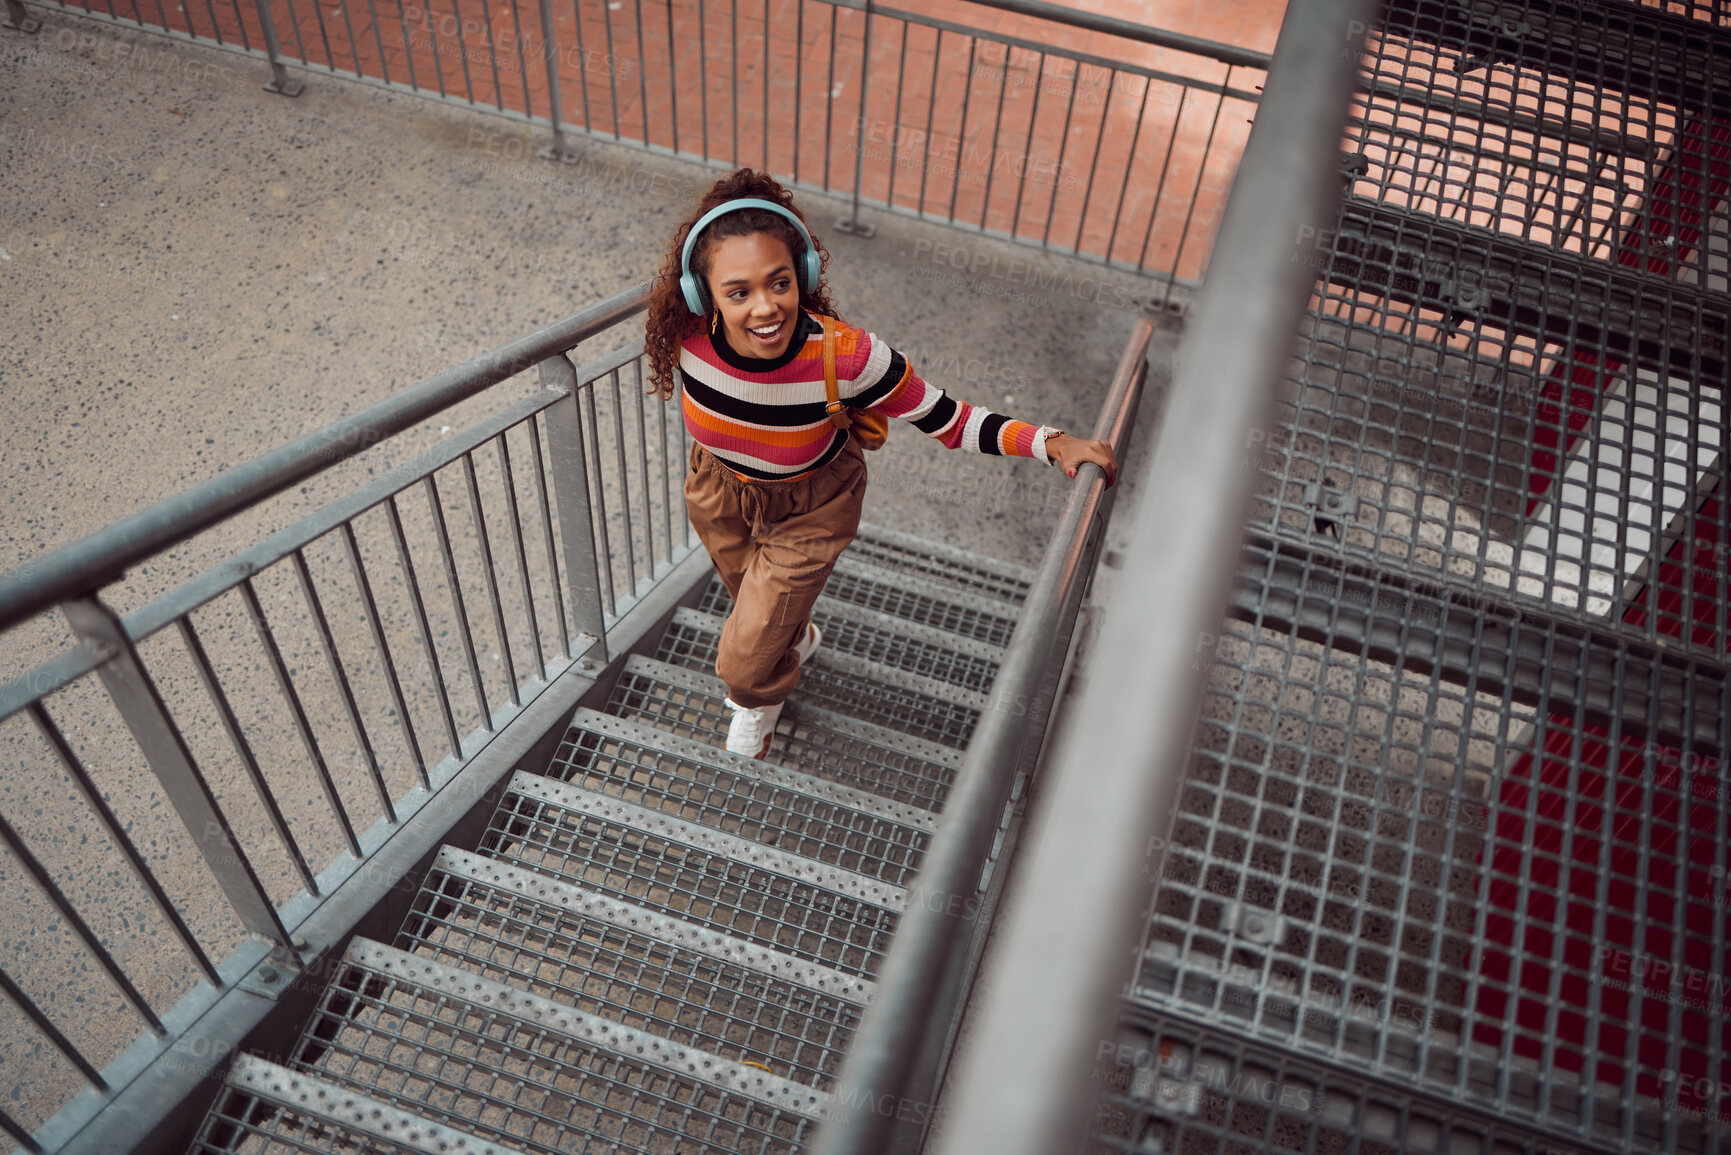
(281, 82)
(851, 223)
(569, 465)
(18, 19)
(550, 60)
(141, 707)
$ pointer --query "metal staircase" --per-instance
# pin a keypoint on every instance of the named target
(659, 946)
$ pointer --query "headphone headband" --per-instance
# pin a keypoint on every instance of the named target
(697, 294)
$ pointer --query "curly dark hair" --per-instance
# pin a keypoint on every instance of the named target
(670, 321)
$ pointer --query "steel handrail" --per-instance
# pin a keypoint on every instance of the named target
(915, 1006)
(1024, 1087)
(100, 558)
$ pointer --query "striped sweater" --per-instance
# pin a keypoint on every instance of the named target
(765, 417)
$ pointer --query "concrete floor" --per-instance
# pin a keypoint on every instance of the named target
(194, 271)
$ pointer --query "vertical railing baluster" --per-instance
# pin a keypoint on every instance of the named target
(570, 470)
(582, 62)
(280, 82)
(613, 73)
(1129, 165)
(672, 75)
(465, 631)
(379, 40)
(648, 514)
(1093, 162)
(1196, 189)
(733, 70)
(550, 61)
(413, 581)
(487, 571)
(1160, 185)
(624, 483)
(370, 608)
(592, 429)
(703, 78)
(297, 712)
(642, 70)
(248, 760)
(146, 716)
(328, 642)
(1063, 151)
(408, 46)
(117, 834)
(547, 532)
(16, 996)
(463, 50)
(852, 224)
(962, 129)
(512, 517)
(1028, 144)
(992, 147)
(669, 466)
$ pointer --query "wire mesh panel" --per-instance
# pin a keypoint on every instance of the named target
(1170, 1087)
(1511, 378)
(1405, 847)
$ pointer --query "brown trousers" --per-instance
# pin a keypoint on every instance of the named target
(774, 544)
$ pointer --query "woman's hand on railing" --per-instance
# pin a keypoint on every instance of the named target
(1070, 452)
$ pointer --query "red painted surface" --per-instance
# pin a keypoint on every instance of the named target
(1583, 863)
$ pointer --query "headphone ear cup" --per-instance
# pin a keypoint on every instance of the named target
(693, 293)
(813, 267)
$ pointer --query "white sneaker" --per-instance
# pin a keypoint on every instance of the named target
(752, 728)
(807, 646)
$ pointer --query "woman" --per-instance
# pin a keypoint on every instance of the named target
(777, 479)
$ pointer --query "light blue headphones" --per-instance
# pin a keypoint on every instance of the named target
(697, 295)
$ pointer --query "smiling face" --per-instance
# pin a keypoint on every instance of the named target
(752, 282)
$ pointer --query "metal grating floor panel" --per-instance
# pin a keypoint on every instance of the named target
(1172, 1085)
(629, 974)
(1368, 867)
(690, 641)
(522, 1082)
(738, 803)
(699, 886)
(672, 699)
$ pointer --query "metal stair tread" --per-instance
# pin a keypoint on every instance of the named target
(489, 998)
(536, 887)
(837, 609)
(1005, 571)
(924, 749)
(339, 1108)
(576, 800)
(892, 655)
(796, 781)
(959, 596)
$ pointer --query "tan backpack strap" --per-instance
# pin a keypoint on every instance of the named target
(837, 411)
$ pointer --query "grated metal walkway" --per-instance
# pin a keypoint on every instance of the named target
(659, 946)
(1448, 868)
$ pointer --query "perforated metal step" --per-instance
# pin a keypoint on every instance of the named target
(923, 707)
(892, 550)
(526, 1071)
(888, 640)
(916, 598)
(270, 1109)
(716, 880)
(808, 738)
(781, 808)
(647, 970)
